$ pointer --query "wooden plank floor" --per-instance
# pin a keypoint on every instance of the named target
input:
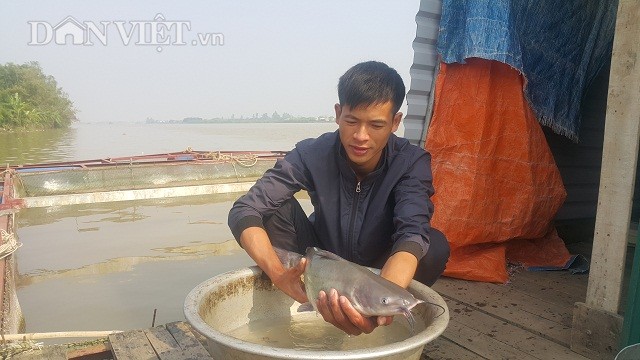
(528, 318)
(56, 352)
(173, 341)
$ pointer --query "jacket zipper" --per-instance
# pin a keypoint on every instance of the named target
(354, 209)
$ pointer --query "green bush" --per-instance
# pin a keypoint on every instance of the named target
(29, 99)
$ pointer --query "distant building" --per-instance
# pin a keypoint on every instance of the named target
(192, 120)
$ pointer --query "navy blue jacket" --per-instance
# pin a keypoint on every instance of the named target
(392, 210)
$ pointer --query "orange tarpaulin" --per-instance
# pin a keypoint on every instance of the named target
(497, 185)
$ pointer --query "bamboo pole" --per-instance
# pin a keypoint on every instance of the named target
(59, 334)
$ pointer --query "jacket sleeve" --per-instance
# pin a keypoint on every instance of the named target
(277, 185)
(413, 208)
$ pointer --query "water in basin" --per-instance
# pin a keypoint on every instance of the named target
(308, 331)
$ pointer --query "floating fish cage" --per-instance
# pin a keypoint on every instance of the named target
(140, 177)
(155, 176)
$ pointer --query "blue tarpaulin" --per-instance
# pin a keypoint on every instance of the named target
(559, 46)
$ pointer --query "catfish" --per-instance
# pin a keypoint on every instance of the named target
(369, 293)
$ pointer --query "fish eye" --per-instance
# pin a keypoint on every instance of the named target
(385, 301)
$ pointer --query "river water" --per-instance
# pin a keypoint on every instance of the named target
(108, 266)
(102, 140)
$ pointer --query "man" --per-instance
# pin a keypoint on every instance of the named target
(370, 191)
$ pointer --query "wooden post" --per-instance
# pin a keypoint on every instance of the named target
(596, 323)
(619, 157)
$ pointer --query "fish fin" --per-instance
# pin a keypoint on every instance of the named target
(288, 258)
(412, 321)
(327, 254)
(305, 307)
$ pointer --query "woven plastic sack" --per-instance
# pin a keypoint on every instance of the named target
(496, 181)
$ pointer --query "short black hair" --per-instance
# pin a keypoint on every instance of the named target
(370, 83)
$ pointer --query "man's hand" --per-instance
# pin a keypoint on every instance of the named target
(256, 243)
(338, 311)
(290, 282)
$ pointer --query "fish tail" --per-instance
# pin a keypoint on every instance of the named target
(306, 307)
(288, 258)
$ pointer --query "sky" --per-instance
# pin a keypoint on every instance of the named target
(277, 55)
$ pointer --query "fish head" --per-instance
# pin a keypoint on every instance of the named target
(394, 304)
(381, 301)
(403, 306)
(399, 302)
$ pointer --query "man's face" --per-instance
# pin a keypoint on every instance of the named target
(364, 132)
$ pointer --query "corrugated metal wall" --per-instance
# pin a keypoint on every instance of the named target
(425, 60)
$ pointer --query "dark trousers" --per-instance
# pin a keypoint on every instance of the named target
(290, 229)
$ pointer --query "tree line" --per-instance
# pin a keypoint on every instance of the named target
(29, 99)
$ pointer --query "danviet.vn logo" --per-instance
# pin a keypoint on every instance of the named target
(158, 32)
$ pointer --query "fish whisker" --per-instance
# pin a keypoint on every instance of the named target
(436, 305)
(412, 321)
